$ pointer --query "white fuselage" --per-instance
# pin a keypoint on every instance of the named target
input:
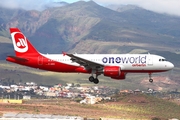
(127, 62)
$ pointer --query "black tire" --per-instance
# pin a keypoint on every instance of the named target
(91, 79)
(151, 80)
(96, 81)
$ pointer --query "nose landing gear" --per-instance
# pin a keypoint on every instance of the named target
(150, 78)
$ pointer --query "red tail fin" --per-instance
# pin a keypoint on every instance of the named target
(21, 44)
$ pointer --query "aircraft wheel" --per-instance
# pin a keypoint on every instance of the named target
(96, 81)
(91, 79)
(151, 80)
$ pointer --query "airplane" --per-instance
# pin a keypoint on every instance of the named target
(115, 66)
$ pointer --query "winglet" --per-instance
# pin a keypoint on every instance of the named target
(64, 53)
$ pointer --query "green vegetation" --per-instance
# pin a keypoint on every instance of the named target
(141, 106)
(36, 110)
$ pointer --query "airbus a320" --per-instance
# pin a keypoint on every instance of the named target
(115, 66)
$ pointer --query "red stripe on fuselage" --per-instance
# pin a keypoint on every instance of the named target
(143, 71)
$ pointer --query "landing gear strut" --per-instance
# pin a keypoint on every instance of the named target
(150, 79)
(92, 79)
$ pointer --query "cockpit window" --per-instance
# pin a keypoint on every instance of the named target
(162, 59)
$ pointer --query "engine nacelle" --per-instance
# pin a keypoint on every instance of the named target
(121, 77)
(114, 72)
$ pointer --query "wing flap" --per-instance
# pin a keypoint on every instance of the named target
(84, 62)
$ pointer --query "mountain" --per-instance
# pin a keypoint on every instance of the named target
(73, 26)
(159, 23)
(86, 27)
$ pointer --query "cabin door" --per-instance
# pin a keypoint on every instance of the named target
(150, 60)
(40, 60)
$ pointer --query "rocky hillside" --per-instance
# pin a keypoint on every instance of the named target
(73, 26)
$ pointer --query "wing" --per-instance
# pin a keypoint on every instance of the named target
(84, 62)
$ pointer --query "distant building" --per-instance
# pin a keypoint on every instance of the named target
(26, 97)
(91, 100)
(137, 91)
(50, 94)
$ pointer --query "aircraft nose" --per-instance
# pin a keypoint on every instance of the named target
(170, 65)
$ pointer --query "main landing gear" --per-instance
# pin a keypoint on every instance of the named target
(150, 79)
(92, 79)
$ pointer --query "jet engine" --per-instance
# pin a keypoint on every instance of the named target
(114, 72)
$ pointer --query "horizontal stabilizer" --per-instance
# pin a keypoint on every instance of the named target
(18, 58)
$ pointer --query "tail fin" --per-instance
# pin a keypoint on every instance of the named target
(21, 44)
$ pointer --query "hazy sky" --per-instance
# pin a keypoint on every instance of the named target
(161, 6)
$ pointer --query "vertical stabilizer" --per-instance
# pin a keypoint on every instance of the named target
(21, 44)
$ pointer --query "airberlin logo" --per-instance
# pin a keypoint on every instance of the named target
(135, 61)
(19, 42)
